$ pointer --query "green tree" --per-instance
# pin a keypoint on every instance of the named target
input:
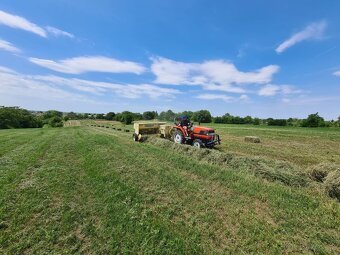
(150, 115)
(11, 117)
(313, 120)
(55, 121)
(189, 114)
(127, 117)
(53, 118)
(276, 122)
(100, 116)
(248, 120)
(203, 116)
(256, 121)
(167, 116)
(52, 113)
(110, 116)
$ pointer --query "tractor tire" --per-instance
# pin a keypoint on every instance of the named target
(178, 137)
(197, 143)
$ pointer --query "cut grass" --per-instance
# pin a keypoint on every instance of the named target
(94, 191)
(301, 146)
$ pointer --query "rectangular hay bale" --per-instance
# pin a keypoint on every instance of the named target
(252, 139)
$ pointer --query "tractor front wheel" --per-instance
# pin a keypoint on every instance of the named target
(178, 137)
(197, 143)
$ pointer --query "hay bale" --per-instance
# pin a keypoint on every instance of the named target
(119, 129)
(252, 139)
(320, 171)
(127, 130)
(332, 184)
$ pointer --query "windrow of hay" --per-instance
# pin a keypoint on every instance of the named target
(332, 184)
(320, 171)
(271, 170)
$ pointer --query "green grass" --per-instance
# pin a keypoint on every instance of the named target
(85, 190)
(301, 146)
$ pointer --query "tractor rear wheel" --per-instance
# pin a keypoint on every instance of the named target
(178, 137)
(135, 137)
(197, 143)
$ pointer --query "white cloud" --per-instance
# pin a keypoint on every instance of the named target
(6, 70)
(8, 47)
(211, 75)
(58, 33)
(21, 23)
(272, 90)
(225, 98)
(337, 73)
(85, 64)
(313, 31)
(48, 86)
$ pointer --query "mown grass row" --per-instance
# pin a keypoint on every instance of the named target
(289, 206)
(94, 191)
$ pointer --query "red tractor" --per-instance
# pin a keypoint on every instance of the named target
(185, 132)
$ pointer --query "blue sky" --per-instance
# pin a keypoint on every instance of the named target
(263, 58)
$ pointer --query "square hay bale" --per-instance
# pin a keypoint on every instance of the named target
(252, 139)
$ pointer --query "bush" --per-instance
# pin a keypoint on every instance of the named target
(53, 118)
(55, 121)
(11, 117)
(276, 122)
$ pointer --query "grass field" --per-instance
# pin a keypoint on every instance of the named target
(86, 190)
(302, 146)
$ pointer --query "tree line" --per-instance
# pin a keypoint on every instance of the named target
(14, 117)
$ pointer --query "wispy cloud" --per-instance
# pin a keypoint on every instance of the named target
(21, 23)
(272, 90)
(337, 73)
(8, 47)
(312, 32)
(85, 64)
(225, 98)
(49, 86)
(59, 33)
(211, 75)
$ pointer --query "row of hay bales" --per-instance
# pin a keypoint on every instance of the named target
(271, 170)
(113, 127)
